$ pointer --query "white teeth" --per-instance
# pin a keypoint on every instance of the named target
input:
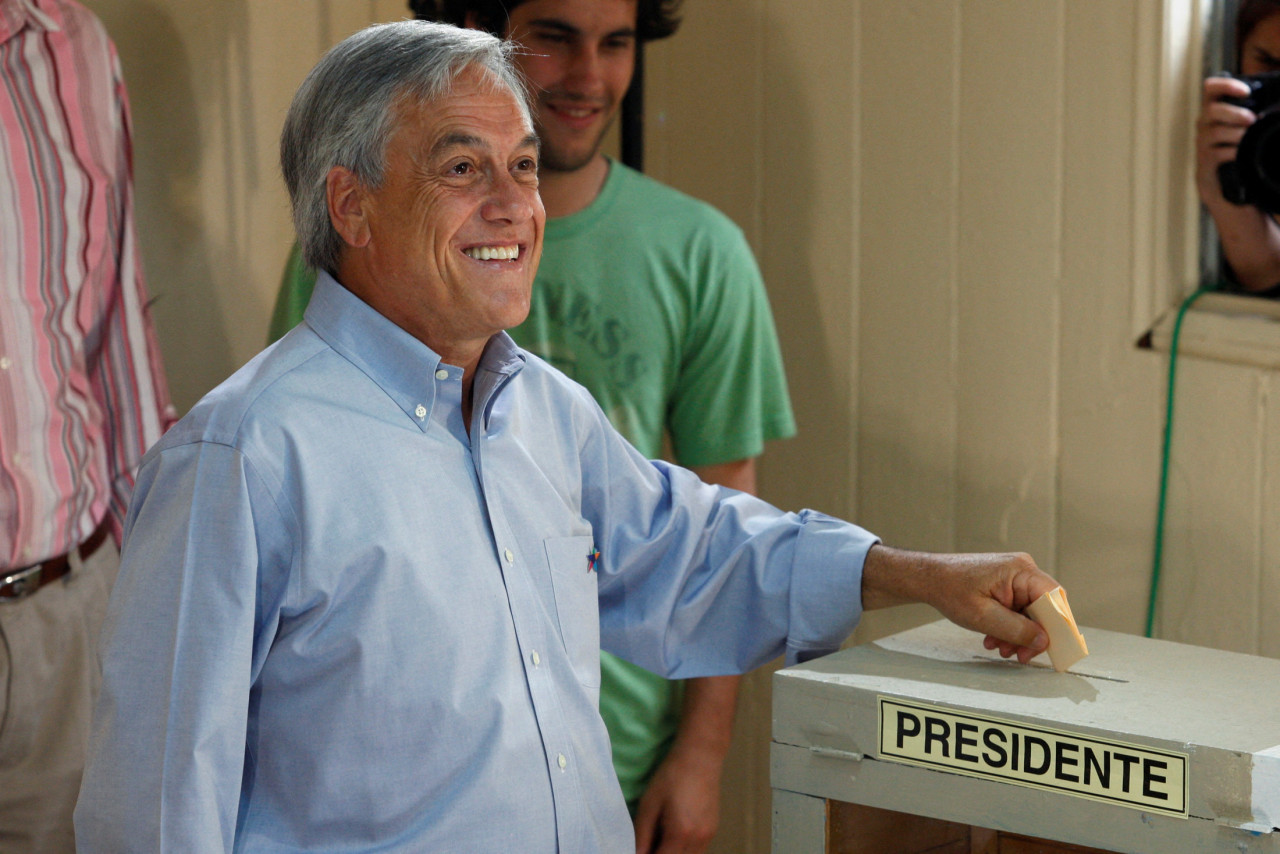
(493, 253)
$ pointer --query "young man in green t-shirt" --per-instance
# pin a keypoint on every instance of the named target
(653, 301)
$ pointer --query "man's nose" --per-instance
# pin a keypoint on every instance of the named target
(509, 201)
(584, 74)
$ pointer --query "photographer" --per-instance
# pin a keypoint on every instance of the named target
(1249, 235)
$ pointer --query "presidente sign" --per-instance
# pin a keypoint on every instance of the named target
(1024, 754)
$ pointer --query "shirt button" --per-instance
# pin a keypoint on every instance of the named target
(442, 374)
(509, 556)
(561, 761)
(4, 363)
(421, 411)
(537, 659)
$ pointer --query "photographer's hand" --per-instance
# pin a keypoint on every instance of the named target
(1250, 238)
(1219, 129)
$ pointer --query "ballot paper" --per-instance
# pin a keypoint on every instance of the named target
(1066, 644)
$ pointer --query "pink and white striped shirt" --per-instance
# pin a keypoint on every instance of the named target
(82, 391)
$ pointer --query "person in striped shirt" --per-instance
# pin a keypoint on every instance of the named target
(82, 396)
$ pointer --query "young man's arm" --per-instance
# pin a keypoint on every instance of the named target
(680, 809)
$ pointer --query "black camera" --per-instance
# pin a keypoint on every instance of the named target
(1253, 178)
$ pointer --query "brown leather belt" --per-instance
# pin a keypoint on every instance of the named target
(21, 583)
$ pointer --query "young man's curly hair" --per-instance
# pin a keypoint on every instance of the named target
(655, 19)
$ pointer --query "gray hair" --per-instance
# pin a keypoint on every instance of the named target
(343, 114)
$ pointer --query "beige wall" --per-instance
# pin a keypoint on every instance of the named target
(210, 81)
(965, 210)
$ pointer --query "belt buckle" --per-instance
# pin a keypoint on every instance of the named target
(19, 584)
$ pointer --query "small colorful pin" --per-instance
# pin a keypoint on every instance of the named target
(592, 558)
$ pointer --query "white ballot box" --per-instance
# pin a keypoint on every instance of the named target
(1145, 746)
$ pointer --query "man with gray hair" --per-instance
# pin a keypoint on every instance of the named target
(366, 580)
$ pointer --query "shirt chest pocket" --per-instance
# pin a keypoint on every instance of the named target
(573, 578)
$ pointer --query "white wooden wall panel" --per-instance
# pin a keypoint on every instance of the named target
(210, 84)
(1109, 413)
(1268, 599)
(1210, 580)
(809, 179)
(908, 289)
(1010, 200)
(704, 119)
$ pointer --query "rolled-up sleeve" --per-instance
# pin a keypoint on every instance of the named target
(700, 580)
(826, 585)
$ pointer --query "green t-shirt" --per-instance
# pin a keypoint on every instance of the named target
(653, 301)
(296, 285)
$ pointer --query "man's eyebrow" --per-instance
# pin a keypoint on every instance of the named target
(456, 139)
(568, 29)
(461, 139)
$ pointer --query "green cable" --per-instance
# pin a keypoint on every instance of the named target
(1164, 459)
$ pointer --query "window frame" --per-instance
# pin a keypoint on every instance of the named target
(1176, 244)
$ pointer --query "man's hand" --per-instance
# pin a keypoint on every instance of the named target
(982, 592)
(679, 812)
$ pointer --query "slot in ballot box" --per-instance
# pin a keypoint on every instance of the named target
(925, 741)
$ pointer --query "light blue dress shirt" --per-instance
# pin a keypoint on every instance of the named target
(343, 624)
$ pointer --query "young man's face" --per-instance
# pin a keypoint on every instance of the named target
(580, 55)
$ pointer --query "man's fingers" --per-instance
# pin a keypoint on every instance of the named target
(1013, 633)
(1217, 88)
(1227, 116)
(646, 824)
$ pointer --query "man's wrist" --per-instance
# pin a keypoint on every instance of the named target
(706, 718)
(895, 577)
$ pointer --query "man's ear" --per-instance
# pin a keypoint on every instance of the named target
(348, 206)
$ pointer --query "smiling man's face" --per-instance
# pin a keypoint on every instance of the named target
(450, 241)
(579, 55)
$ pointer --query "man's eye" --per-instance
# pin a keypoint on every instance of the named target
(527, 164)
(1266, 59)
(460, 169)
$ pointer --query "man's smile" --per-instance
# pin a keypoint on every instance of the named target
(493, 253)
(574, 112)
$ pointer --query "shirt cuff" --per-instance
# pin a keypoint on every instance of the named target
(826, 585)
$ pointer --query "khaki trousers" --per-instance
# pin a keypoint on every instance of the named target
(49, 680)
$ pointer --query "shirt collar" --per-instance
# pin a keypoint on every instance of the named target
(400, 364)
(16, 14)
